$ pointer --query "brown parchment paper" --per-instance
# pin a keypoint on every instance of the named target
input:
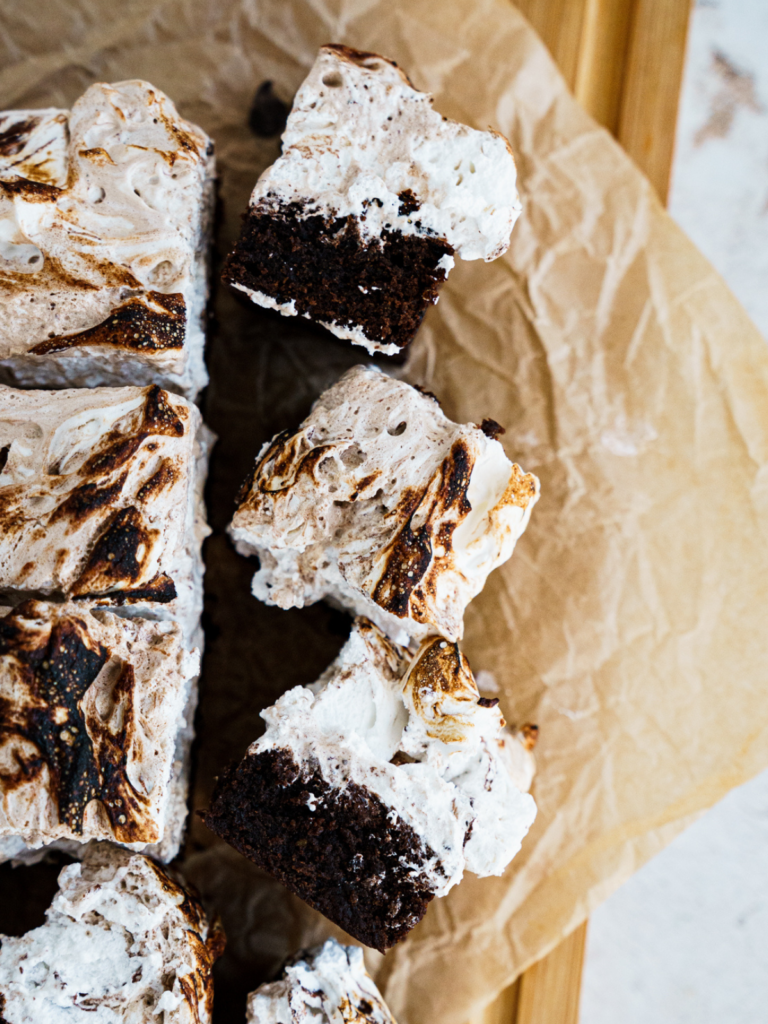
(630, 623)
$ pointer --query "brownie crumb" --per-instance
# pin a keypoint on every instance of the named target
(346, 857)
(408, 203)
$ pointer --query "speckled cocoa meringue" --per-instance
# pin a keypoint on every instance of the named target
(374, 789)
(123, 943)
(95, 730)
(324, 985)
(357, 223)
(101, 499)
(359, 129)
(383, 506)
(105, 223)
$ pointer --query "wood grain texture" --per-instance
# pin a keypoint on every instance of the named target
(624, 61)
(599, 80)
(504, 1009)
(651, 91)
(560, 23)
(549, 991)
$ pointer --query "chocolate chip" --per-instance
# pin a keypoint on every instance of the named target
(408, 203)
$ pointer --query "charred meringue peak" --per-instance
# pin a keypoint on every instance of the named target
(101, 498)
(383, 506)
(96, 728)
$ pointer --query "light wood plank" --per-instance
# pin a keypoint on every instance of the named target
(651, 92)
(601, 63)
(547, 993)
(503, 1010)
(624, 61)
(560, 24)
(550, 990)
(588, 39)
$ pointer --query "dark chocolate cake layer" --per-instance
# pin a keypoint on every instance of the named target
(345, 858)
(382, 287)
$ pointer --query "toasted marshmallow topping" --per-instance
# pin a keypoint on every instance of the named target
(122, 944)
(104, 218)
(361, 141)
(93, 706)
(326, 985)
(35, 146)
(98, 497)
(415, 732)
(384, 506)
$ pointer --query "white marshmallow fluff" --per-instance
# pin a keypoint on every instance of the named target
(122, 944)
(326, 985)
(359, 135)
(453, 780)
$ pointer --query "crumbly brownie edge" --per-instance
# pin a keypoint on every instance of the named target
(323, 266)
(346, 858)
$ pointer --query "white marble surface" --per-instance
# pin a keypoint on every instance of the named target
(719, 191)
(685, 941)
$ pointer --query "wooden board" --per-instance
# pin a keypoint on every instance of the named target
(548, 992)
(651, 86)
(624, 61)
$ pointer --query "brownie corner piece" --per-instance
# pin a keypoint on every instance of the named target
(373, 790)
(101, 499)
(345, 856)
(356, 224)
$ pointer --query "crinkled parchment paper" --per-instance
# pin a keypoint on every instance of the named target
(630, 623)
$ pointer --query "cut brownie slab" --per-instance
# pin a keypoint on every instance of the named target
(122, 942)
(95, 728)
(376, 787)
(356, 225)
(326, 985)
(101, 499)
(105, 224)
(381, 504)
